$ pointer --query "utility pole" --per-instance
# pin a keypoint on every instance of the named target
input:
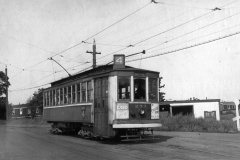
(7, 109)
(94, 54)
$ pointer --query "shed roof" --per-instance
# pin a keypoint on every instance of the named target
(189, 101)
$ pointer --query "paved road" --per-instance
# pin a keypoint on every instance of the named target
(31, 141)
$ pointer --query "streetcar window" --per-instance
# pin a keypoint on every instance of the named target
(139, 88)
(65, 95)
(153, 89)
(54, 97)
(58, 96)
(61, 95)
(89, 91)
(83, 90)
(69, 94)
(124, 87)
(47, 98)
(73, 94)
(78, 93)
(50, 97)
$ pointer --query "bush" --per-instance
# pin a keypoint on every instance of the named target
(190, 124)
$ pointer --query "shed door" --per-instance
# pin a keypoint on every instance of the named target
(101, 106)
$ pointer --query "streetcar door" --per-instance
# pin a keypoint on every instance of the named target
(101, 106)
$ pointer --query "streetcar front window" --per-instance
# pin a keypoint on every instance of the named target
(124, 88)
(139, 88)
(153, 89)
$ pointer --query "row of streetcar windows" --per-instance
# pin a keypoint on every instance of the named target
(75, 93)
(124, 88)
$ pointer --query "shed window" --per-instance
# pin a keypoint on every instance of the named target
(210, 114)
(153, 89)
(83, 91)
(139, 89)
(124, 88)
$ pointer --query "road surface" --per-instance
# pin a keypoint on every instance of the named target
(30, 140)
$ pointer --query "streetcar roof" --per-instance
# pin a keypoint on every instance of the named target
(102, 70)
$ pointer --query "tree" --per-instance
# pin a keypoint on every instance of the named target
(36, 101)
(161, 94)
(4, 83)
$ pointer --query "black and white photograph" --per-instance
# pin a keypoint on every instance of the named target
(119, 79)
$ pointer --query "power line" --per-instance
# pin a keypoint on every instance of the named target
(26, 43)
(164, 53)
(177, 26)
(107, 44)
(187, 47)
(151, 27)
(180, 5)
(206, 35)
(185, 34)
(104, 29)
(165, 31)
(117, 21)
(29, 88)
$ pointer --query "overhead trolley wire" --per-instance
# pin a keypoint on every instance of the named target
(187, 47)
(190, 40)
(177, 26)
(65, 50)
(180, 5)
(185, 34)
(29, 87)
(144, 6)
(84, 41)
(165, 31)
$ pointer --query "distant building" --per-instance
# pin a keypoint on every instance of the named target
(208, 108)
(24, 111)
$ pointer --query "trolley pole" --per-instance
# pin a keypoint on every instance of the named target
(94, 52)
(7, 109)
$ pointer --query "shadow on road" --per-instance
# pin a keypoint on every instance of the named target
(158, 139)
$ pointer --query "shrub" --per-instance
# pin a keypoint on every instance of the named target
(188, 123)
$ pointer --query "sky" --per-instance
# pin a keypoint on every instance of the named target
(31, 31)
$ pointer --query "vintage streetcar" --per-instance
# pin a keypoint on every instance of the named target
(107, 101)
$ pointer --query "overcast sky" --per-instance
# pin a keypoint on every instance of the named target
(31, 31)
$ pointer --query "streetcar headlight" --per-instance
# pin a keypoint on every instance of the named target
(154, 111)
(122, 111)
